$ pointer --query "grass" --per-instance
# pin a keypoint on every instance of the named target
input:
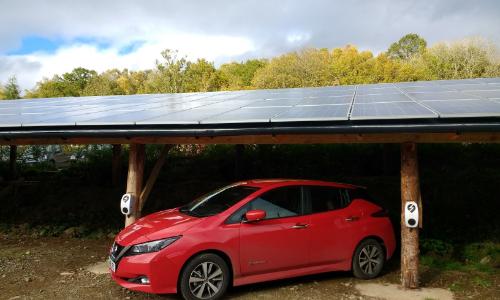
(456, 287)
(482, 257)
(482, 282)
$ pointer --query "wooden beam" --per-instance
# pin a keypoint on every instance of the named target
(134, 179)
(116, 164)
(410, 191)
(153, 176)
(12, 162)
(449, 137)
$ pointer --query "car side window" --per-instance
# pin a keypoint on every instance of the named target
(326, 198)
(277, 203)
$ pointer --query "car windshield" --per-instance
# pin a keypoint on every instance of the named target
(217, 201)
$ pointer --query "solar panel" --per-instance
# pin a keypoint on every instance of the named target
(452, 95)
(406, 100)
(250, 115)
(390, 110)
(464, 108)
(314, 113)
(382, 98)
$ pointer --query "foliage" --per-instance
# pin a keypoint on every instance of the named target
(478, 256)
(10, 90)
(70, 84)
(240, 75)
(468, 58)
(407, 47)
(436, 247)
(309, 67)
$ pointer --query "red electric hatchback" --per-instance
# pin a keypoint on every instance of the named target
(250, 232)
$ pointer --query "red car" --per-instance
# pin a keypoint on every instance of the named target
(253, 231)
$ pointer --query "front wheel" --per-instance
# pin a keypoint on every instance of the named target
(205, 277)
(368, 260)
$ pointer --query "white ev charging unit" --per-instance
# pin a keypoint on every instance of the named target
(411, 214)
(127, 204)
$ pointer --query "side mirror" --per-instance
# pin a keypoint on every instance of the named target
(255, 215)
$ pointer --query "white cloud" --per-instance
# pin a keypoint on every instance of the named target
(31, 68)
(223, 29)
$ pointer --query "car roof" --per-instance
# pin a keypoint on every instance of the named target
(277, 182)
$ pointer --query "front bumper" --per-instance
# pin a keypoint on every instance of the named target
(161, 271)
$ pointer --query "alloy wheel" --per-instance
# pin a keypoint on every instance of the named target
(370, 257)
(206, 280)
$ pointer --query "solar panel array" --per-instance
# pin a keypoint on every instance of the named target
(409, 100)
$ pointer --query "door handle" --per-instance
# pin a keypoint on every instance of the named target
(351, 219)
(300, 226)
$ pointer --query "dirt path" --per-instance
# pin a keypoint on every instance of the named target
(55, 268)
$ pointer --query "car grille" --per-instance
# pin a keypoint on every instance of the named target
(116, 249)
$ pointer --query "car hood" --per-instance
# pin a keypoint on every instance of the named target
(156, 226)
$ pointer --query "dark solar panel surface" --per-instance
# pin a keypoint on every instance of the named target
(404, 101)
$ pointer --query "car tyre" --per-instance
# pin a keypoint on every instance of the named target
(205, 277)
(368, 260)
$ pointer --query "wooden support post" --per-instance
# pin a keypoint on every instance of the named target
(153, 176)
(410, 191)
(12, 162)
(134, 179)
(116, 164)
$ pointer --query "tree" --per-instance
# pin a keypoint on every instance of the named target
(407, 47)
(310, 67)
(11, 89)
(103, 84)
(70, 84)
(169, 74)
(349, 66)
(238, 76)
(50, 88)
(468, 58)
(199, 77)
(78, 79)
(132, 82)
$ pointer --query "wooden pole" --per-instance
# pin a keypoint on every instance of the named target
(410, 191)
(12, 162)
(153, 176)
(134, 179)
(116, 164)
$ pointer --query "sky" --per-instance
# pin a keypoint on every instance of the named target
(40, 38)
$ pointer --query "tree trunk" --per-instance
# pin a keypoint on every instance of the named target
(134, 179)
(410, 191)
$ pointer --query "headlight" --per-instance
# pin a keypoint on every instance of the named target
(153, 246)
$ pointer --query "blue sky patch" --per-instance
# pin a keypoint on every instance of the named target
(32, 44)
(131, 47)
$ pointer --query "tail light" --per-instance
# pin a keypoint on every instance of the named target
(383, 213)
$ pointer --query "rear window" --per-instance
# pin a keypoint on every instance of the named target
(326, 198)
(217, 201)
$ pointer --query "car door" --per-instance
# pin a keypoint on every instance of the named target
(332, 224)
(280, 241)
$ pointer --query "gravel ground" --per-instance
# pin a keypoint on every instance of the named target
(54, 268)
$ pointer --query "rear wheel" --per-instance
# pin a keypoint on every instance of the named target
(368, 260)
(205, 277)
